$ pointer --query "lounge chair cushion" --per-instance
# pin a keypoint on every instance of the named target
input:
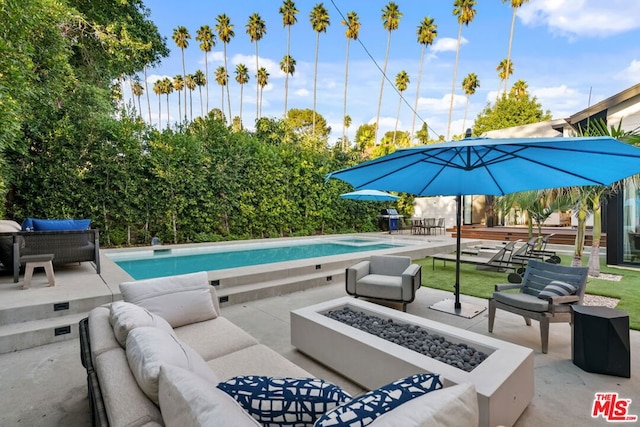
(35, 224)
(557, 288)
(455, 406)
(148, 348)
(365, 409)
(380, 286)
(186, 400)
(522, 300)
(124, 317)
(287, 401)
(389, 265)
(180, 300)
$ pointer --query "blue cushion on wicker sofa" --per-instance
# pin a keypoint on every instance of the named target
(59, 224)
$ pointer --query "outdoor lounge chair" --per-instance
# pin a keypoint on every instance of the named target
(385, 277)
(500, 260)
(531, 304)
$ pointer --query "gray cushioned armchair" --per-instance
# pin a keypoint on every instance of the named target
(385, 277)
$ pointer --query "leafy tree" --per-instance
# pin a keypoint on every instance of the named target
(224, 28)
(390, 21)
(288, 11)
(427, 33)
(256, 29)
(320, 20)
(519, 89)
(465, 12)
(301, 121)
(207, 40)
(366, 136)
(352, 32)
(510, 111)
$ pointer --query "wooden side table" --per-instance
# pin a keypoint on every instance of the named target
(33, 261)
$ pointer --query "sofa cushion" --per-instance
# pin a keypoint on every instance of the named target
(455, 406)
(365, 409)
(101, 332)
(8, 226)
(148, 348)
(257, 359)
(556, 288)
(186, 401)
(180, 299)
(284, 401)
(125, 316)
(59, 224)
(522, 300)
(389, 265)
(214, 338)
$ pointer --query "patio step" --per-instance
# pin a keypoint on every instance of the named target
(254, 291)
(24, 335)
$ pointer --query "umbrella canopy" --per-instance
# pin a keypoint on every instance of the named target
(482, 166)
(370, 195)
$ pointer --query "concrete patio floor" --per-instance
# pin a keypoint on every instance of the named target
(45, 386)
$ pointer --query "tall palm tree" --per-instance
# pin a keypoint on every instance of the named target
(167, 89)
(427, 32)
(181, 37)
(137, 90)
(320, 20)
(288, 67)
(465, 12)
(200, 80)
(242, 77)
(288, 11)
(224, 28)
(146, 89)
(519, 89)
(504, 68)
(223, 79)
(515, 4)
(352, 33)
(347, 123)
(390, 21)
(158, 90)
(178, 85)
(402, 83)
(207, 40)
(469, 85)
(191, 85)
(256, 29)
(262, 77)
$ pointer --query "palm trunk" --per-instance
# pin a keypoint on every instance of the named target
(513, 24)
(206, 72)
(453, 84)
(146, 90)
(384, 73)
(184, 78)
(241, 95)
(594, 256)
(222, 97)
(286, 74)
(257, 85)
(315, 81)
(168, 115)
(227, 85)
(201, 107)
(180, 107)
(415, 105)
(190, 105)
(580, 232)
(139, 107)
(159, 112)
(464, 121)
(344, 110)
(395, 131)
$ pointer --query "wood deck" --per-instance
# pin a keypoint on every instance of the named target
(562, 235)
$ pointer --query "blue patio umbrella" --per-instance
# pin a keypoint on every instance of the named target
(370, 195)
(483, 166)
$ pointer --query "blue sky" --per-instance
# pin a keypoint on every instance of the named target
(563, 49)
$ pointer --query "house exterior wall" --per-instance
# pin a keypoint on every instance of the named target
(436, 207)
(627, 111)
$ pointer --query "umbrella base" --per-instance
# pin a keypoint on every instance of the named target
(466, 310)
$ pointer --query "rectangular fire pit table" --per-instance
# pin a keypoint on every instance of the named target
(504, 380)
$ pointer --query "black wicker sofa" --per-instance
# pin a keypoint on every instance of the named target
(67, 246)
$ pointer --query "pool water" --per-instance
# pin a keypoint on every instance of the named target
(167, 262)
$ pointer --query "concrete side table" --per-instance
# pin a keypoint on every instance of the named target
(600, 340)
(33, 261)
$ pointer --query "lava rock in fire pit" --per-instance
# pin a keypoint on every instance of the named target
(412, 337)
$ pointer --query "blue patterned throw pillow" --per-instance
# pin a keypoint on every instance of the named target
(363, 410)
(284, 401)
(557, 288)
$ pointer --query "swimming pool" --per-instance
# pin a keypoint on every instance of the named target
(164, 261)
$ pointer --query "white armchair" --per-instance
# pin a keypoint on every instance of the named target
(385, 277)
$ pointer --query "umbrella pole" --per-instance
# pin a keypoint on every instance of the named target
(457, 304)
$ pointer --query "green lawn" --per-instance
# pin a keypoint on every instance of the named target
(481, 283)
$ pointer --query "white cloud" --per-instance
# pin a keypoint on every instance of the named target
(447, 44)
(557, 92)
(155, 77)
(301, 92)
(432, 105)
(582, 18)
(631, 73)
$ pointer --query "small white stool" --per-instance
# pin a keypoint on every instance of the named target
(33, 261)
